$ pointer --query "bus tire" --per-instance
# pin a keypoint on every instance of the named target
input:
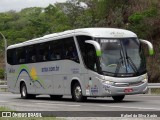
(118, 98)
(77, 93)
(24, 93)
(56, 97)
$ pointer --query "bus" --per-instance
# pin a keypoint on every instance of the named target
(86, 62)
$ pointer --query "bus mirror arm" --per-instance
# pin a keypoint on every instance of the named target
(96, 45)
(150, 46)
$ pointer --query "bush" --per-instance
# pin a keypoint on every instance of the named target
(139, 16)
(1, 73)
(143, 23)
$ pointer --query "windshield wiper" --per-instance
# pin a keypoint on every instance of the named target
(129, 60)
(132, 64)
(120, 61)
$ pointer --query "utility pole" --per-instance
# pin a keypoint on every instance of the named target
(5, 55)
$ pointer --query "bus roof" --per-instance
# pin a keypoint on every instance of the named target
(93, 32)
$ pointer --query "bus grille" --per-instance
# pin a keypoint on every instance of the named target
(128, 84)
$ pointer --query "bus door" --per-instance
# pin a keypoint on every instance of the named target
(90, 60)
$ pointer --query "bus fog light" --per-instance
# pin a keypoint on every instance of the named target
(145, 89)
(108, 91)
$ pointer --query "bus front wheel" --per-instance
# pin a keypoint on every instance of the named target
(118, 98)
(77, 93)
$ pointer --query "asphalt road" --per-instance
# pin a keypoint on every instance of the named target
(44, 103)
(133, 103)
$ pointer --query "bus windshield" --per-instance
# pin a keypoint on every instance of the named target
(122, 57)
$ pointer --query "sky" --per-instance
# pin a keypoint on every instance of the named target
(6, 5)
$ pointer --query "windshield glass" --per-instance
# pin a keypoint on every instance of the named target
(122, 57)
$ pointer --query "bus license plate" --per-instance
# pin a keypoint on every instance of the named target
(127, 90)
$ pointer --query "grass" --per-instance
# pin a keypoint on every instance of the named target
(5, 109)
(32, 118)
(155, 91)
(3, 90)
(3, 83)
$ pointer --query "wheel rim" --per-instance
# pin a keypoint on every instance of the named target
(23, 91)
(78, 92)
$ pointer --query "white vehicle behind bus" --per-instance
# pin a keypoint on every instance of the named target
(89, 62)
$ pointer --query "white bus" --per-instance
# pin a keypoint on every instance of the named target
(88, 62)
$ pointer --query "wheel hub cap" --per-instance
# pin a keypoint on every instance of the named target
(23, 91)
(78, 91)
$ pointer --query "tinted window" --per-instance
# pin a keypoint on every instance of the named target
(11, 56)
(63, 49)
(42, 52)
(49, 51)
(31, 54)
(56, 50)
(20, 55)
(88, 52)
(70, 50)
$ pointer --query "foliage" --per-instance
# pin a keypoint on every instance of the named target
(139, 23)
(5, 109)
(139, 16)
(1, 73)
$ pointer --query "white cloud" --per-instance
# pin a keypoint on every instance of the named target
(6, 5)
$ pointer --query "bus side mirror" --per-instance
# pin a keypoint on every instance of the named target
(150, 46)
(96, 45)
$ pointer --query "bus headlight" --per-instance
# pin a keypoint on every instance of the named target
(145, 80)
(108, 82)
(105, 81)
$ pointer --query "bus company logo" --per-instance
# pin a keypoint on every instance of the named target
(33, 73)
(94, 90)
(117, 33)
(6, 114)
(106, 87)
(11, 70)
(50, 69)
(75, 70)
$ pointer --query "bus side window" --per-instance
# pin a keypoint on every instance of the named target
(21, 55)
(88, 52)
(70, 50)
(91, 57)
(11, 56)
(31, 54)
(56, 48)
(42, 52)
(33, 58)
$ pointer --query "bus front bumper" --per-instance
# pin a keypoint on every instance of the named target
(110, 90)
